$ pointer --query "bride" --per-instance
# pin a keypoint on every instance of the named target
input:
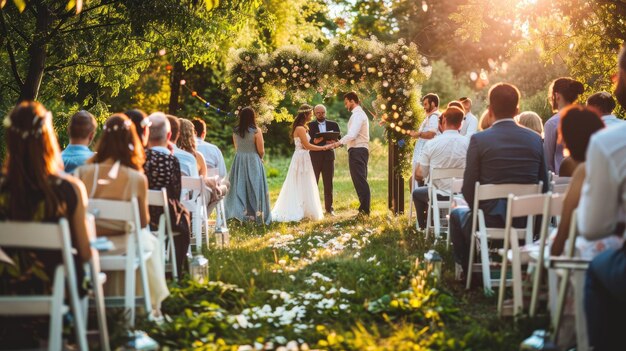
(299, 197)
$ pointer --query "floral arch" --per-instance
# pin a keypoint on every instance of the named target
(393, 71)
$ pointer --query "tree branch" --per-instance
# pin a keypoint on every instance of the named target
(14, 69)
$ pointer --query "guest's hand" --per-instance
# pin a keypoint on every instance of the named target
(318, 140)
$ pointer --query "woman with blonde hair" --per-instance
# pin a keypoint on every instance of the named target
(531, 121)
(187, 142)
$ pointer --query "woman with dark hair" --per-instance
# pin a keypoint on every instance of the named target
(249, 196)
(33, 187)
(116, 173)
(299, 197)
(562, 93)
(142, 124)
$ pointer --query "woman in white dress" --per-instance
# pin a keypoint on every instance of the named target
(299, 197)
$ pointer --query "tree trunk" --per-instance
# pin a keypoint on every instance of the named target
(37, 52)
(176, 76)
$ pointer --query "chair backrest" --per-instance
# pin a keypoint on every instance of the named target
(561, 180)
(114, 209)
(191, 183)
(157, 197)
(502, 191)
(559, 188)
(446, 173)
(456, 185)
(527, 205)
(210, 172)
(33, 235)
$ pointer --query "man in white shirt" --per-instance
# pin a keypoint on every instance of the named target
(357, 140)
(604, 102)
(212, 155)
(428, 129)
(470, 122)
(601, 208)
(448, 150)
(188, 165)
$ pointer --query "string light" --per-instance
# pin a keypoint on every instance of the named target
(206, 104)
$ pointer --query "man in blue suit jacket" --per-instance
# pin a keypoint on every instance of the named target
(505, 153)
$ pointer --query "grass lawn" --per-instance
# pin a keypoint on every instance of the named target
(340, 284)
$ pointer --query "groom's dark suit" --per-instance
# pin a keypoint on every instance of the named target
(324, 161)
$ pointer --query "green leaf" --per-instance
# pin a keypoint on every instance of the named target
(20, 4)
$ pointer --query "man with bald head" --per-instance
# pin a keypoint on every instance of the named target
(323, 161)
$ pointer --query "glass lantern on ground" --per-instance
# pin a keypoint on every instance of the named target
(199, 269)
(433, 259)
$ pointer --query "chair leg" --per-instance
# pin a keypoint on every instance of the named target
(560, 304)
(518, 303)
(484, 262)
(470, 264)
(581, 319)
(55, 342)
(503, 269)
(98, 295)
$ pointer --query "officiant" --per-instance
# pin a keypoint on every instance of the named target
(323, 161)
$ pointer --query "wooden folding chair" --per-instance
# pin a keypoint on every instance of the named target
(47, 236)
(434, 204)
(480, 232)
(527, 206)
(159, 198)
(194, 199)
(133, 259)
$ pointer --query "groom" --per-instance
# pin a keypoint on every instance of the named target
(323, 161)
(357, 140)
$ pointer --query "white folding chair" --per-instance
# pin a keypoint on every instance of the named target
(480, 232)
(555, 209)
(578, 266)
(456, 187)
(133, 259)
(47, 236)
(558, 188)
(221, 227)
(159, 198)
(434, 204)
(194, 199)
(527, 206)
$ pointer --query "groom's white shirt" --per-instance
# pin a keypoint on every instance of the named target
(358, 130)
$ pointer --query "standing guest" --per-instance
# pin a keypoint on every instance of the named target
(323, 161)
(505, 153)
(605, 104)
(249, 194)
(485, 121)
(531, 121)
(188, 162)
(357, 140)
(163, 171)
(187, 142)
(212, 154)
(116, 173)
(142, 124)
(563, 92)
(445, 151)
(601, 208)
(82, 129)
(34, 188)
(428, 128)
(470, 122)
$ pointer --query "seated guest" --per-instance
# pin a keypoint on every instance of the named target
(82, 129)
(505, 153)
(163, 171)
(485, 121)
(142, 124)
(188, 163)
(531, 121)
(116, 173)
(34, 188)
(601, 208)
(448, 150)
(212, 154)
(605, 104)
(470, 122)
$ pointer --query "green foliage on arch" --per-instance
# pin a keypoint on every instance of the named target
(393, 71)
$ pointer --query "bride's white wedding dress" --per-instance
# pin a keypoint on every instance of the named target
(299, 197)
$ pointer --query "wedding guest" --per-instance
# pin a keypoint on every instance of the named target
(212, 154)
(323, 161)
(577, 126)
(601, 208)
(470, 122)
(485, 121)
(448, 150)
(531, 121)
(33, 187)
(249, 194)
(142, 124)
(505, 153)
(187, 142)
(454, 103)
(563, 92)
(163, 171)
(188, 162)
(605, 104)
(428, 128)
(81, 129)
(357, 140)
(116, 173)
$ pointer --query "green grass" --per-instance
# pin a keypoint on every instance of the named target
(341, 283)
